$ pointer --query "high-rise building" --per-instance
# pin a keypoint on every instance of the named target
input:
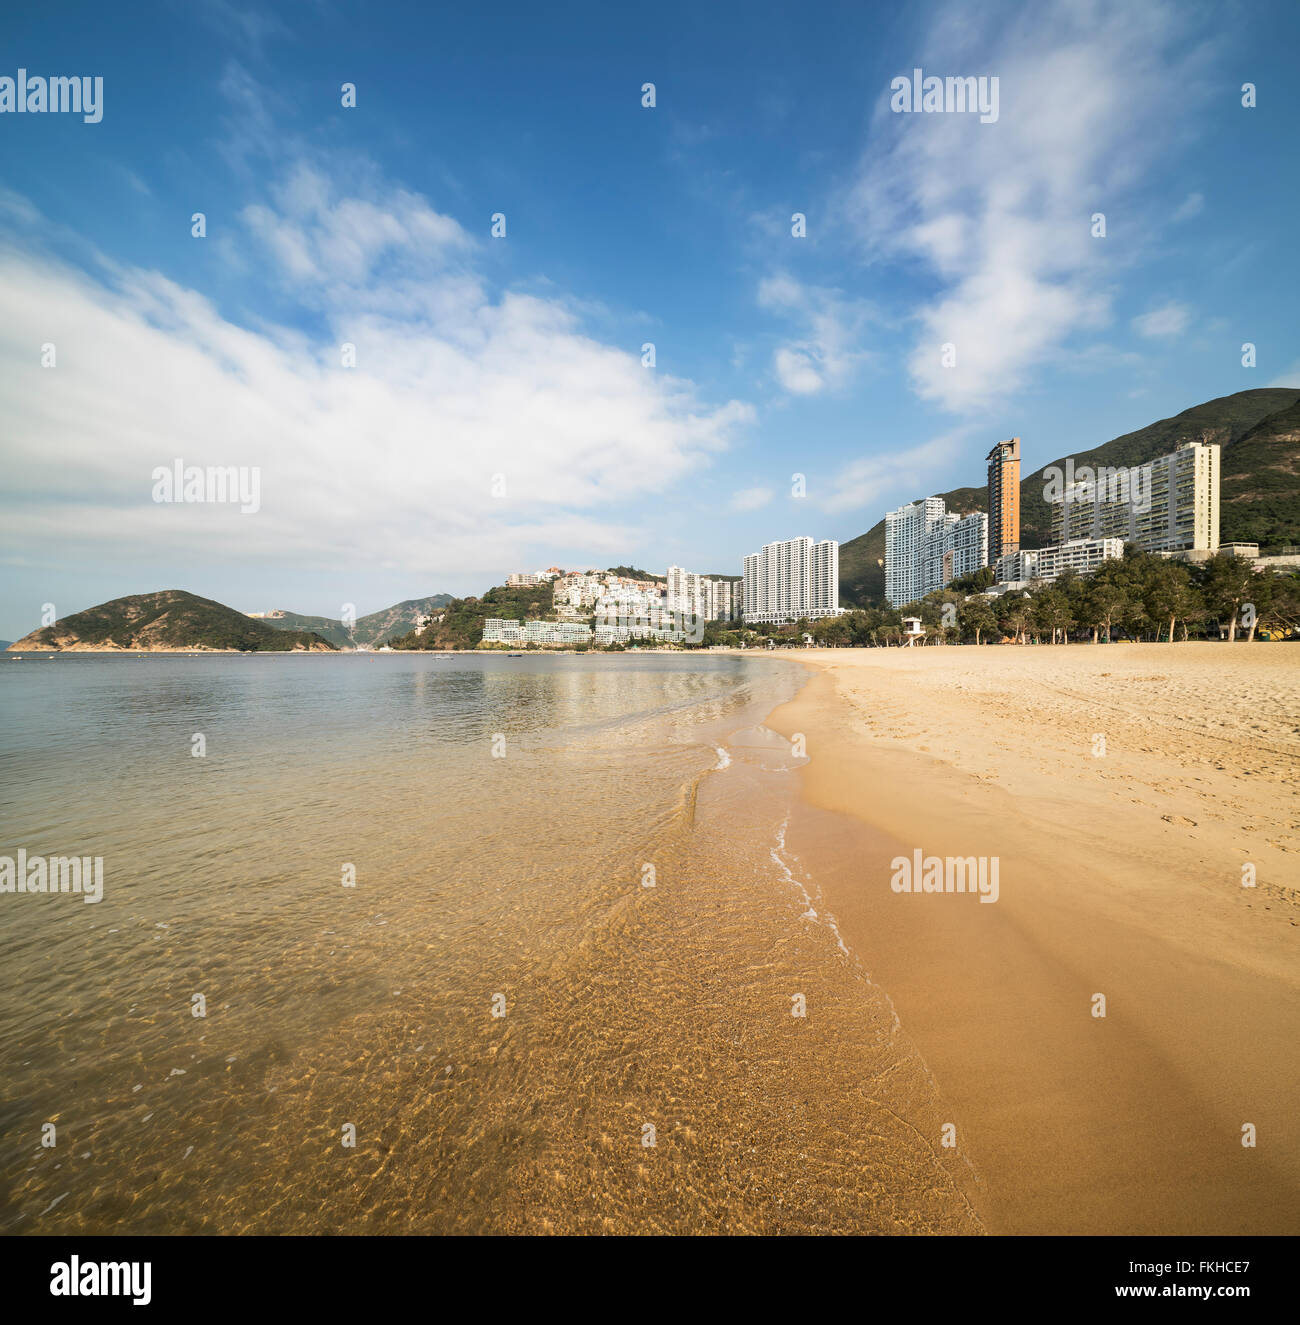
(1004, 499)
(906, 530)
(690, 594)
(927, 547)
(965, 545)
(1169, 504)
(792, 580)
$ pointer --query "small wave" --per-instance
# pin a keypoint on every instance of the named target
(724, 759)
(810, 913)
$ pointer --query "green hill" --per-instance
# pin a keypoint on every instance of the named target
(631, 573)
(461, 626)
(1258, 430)
(1259, 498)
(369, 630)
(326, 627)
(168, 619)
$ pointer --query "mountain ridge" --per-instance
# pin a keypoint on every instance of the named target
(367, 631)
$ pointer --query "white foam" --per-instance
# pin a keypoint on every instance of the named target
(778, 854)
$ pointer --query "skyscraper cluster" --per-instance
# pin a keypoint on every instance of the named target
(1168, 505)
(927, 546)
(709, 599)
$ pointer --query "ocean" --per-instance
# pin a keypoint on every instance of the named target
(437, 944)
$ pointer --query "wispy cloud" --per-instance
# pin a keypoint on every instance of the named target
(1192, 205)
(866, 482)
(751, 499)
(999, 214)
(325, 239)
(250, 28)
(826, 352)
(1167, 320)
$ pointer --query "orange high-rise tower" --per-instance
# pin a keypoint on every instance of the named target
(1004, 499)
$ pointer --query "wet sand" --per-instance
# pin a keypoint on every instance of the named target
(1120, 874)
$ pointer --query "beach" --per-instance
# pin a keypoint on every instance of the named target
(1121, 789)
(592, 944)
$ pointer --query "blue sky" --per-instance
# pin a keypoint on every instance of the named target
(517, 361)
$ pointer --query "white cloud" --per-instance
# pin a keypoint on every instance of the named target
(339, 242)
(246, 26)
(865, 482)
(1192, 205)
(1167, 320)
(999, 214)
(797, 371)
(751, 499)
(826, 354)
(390, 463)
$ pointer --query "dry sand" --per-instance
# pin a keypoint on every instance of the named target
(1120, 875)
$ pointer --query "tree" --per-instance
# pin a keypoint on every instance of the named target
(1169, 594)
(974, 582)
(1051, 611)
(1013, 615)
(1262, 591)
(1281, 611)
(832, 631)
(1228, 583)
(1107, 602)
(977, 616)
(947, 606)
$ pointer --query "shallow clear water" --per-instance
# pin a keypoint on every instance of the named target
(504, 818)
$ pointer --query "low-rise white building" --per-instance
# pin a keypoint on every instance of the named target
(497, 630)
(1082, 556)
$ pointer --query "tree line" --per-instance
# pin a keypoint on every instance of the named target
(1139, 597)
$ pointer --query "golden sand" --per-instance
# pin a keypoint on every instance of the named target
(1121, 874)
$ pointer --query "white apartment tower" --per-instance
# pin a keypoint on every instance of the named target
(927, 547)
(788, 581)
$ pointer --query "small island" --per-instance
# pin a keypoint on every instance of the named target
(168, 621)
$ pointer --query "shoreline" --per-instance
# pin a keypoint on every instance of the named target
(1120, 875)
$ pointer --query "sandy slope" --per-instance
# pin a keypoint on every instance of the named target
(1120, 874)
